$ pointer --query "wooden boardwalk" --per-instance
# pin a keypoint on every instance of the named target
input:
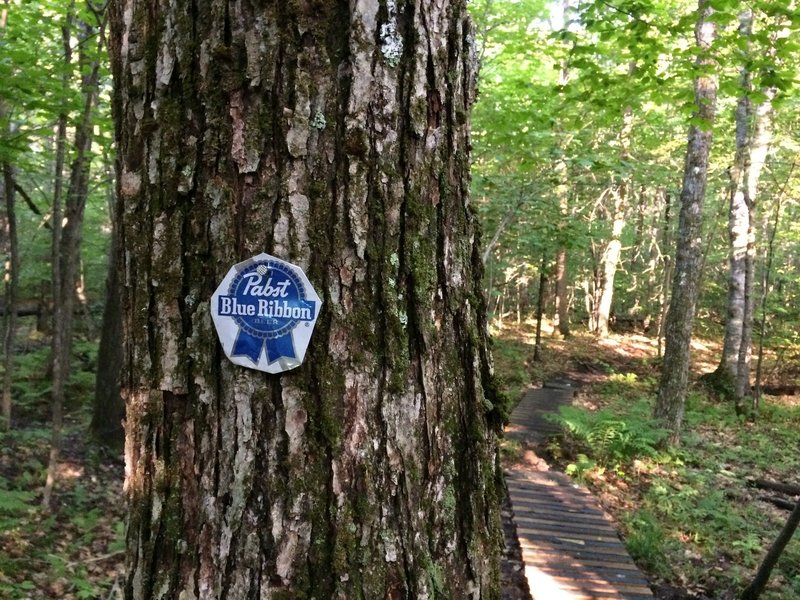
(569, 547)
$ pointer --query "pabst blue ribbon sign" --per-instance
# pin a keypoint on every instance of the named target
(264, 311)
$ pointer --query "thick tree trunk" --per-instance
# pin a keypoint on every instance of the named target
(680, 318)
(334, 135)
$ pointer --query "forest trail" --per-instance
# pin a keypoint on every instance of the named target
(569, 547)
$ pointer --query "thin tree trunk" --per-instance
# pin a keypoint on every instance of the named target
(671, 399)
(537, 347)
(667, 274)
(58, 367)
(562, 193)
(759, 146)
(562, 298)
(756, 587)
(765, 288)
(12, 291)
(613, 251)
(67, 236)
(504, 223)
(109, 408)
(334, 136)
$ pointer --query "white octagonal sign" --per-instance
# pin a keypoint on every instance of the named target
(264, 311)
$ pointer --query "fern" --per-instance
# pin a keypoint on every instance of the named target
(609, 439)
(15, 501)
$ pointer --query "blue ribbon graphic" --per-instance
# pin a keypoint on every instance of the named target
(251, 347)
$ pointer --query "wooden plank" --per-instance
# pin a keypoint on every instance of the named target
(544, 510)
(629, 574)
(569, 546)
(615, 563)
(562, 524)
(576, 553)
(592, 585)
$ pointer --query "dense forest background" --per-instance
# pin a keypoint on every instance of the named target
(579, 153)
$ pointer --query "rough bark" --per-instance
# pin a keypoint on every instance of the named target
(671, 398)
(334, 135)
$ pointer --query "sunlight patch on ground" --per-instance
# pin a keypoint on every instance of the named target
(70, 471)
(544, 586)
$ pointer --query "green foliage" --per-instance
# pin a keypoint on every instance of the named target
(696, 497)
(72, 552)
(646, 541)
(31, 382)
(611, 440)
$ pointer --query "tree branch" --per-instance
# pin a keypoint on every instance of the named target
(29, 201)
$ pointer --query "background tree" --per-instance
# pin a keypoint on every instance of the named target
(669, 405)
(334, 135)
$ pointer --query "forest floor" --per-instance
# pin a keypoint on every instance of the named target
(75, 549)
(688, 516)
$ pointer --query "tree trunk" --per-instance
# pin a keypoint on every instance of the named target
(613, 251)
(562, 193)
(663, 296)
(540, 301)
(67, 226)
(109, 408)
(671, 399)
(770, 234)
(753, 591)
(334, 135)
(562, 296)
(11, 248)
(59, 374)
(738, 226)
(759, 146)
(11, 291)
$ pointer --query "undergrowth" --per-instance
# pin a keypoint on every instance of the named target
(74, 550)
(689, 518)
(687, 515)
